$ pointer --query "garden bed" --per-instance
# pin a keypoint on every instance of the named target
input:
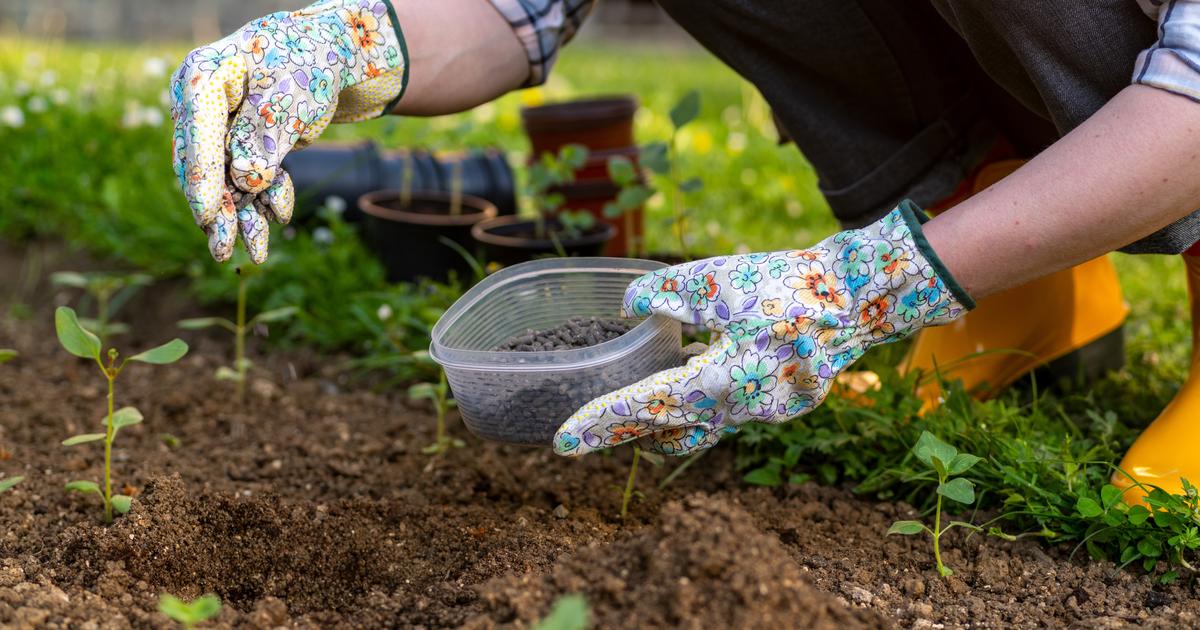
(313, 506)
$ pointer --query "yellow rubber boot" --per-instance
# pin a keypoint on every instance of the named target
(1070, 319)
(1168, 451)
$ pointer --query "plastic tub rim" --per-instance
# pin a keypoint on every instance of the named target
(543, 361)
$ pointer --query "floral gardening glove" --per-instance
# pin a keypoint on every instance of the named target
(242, 103)
(788, 323)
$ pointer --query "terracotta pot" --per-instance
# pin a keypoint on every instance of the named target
(599, 124)
(509, 240)
(409, 241)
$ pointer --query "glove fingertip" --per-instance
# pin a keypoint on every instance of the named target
(281, 198)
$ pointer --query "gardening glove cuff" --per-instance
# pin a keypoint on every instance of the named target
(241, 104)
(788, 323)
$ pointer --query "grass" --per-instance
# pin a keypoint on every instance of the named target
(90, 164)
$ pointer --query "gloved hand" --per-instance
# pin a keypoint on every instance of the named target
(788, 323)
(242, 103)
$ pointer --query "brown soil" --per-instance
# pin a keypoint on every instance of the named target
(311, 505)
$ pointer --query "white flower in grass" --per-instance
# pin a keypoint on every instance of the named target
(322, 236)
(152, 116)
(21, 88)
(335, 204)
(60, 96)
(37, 105)
(33, 59)
(48, 78)
(12, 116)
(154, 67)
(384, 313)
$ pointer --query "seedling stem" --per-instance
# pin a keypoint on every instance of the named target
(637, 455)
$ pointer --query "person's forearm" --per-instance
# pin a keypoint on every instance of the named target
(1128, 171)
(462, 53)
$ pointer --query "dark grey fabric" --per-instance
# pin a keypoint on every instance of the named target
(893, 99)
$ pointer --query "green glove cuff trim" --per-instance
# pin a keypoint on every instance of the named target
(403, 55)
(915, 217)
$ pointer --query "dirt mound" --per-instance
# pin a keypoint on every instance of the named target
(704, 564)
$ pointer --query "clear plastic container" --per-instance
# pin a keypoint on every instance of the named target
(523, 397)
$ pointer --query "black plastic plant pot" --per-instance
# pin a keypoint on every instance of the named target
(423, 240)
(510, 240)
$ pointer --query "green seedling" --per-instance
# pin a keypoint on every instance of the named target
(82, 343)
(629, 492)
(555, 170)
(947, 463)
(189, 614)
(7, 355)
(439, 394)
(8, 482)
(570, 612)
(633, 195)
(241, 365)
(663, 159)
(1163, 527)
(460, 133)
(110, 291)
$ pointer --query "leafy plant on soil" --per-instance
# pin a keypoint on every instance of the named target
(110, 291)
(629, 492)
(555, 170)
(947, 463)
(1168, 529)
(239, 328)
(85, 345)
(7, 355)
(189, 614)
(634, 193)
(663, 159)
(439, 394)
(570, 612)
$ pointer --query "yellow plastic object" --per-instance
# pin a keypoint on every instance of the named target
(1169, 449)
(1012, 332)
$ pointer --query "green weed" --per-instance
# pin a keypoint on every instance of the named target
(439, 394)
(189, 614)
(570, 612)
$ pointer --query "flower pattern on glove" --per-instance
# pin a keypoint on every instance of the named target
(788, 323)
(241, 104)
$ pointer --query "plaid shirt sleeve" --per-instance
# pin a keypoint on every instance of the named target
(1173, 62)
(543, 26)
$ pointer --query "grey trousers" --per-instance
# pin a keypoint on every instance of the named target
(894, 99)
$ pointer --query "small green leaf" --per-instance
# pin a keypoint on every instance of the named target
(423, 390)
(82, 486)
(686, 110)
(189, 613)
(654, 156)
(1109, 495)
(7, 355)
(621, 170)
(225, 373)
(961, 490)
(634, 197)
(1150, 548)
(170, 441)
(928, 445)
(612, 211)
(169, 352)
(906, 528)
(275, 315)
(1129, 554)
(655, 459)
(938, 465)
(962, 463)
(197, 323)
(765, 476)
(69, 279)
(8, 482)
(570, 612)
(1138, 515)
(121, 503)
(72, 335)
(126, 416)
(83, 439)
(1088, 507)
(691, 185)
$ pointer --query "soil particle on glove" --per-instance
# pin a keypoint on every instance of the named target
(577, 332)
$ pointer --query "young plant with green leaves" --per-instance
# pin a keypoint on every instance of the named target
(82, 343)
(439, 394)
(189, 614)
(629, 492)
(547, 173)
(946, 463)
(663, 159)
(1164, 527)
(109, 291)
(570, 612)
(634, 193)
(239, 328)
